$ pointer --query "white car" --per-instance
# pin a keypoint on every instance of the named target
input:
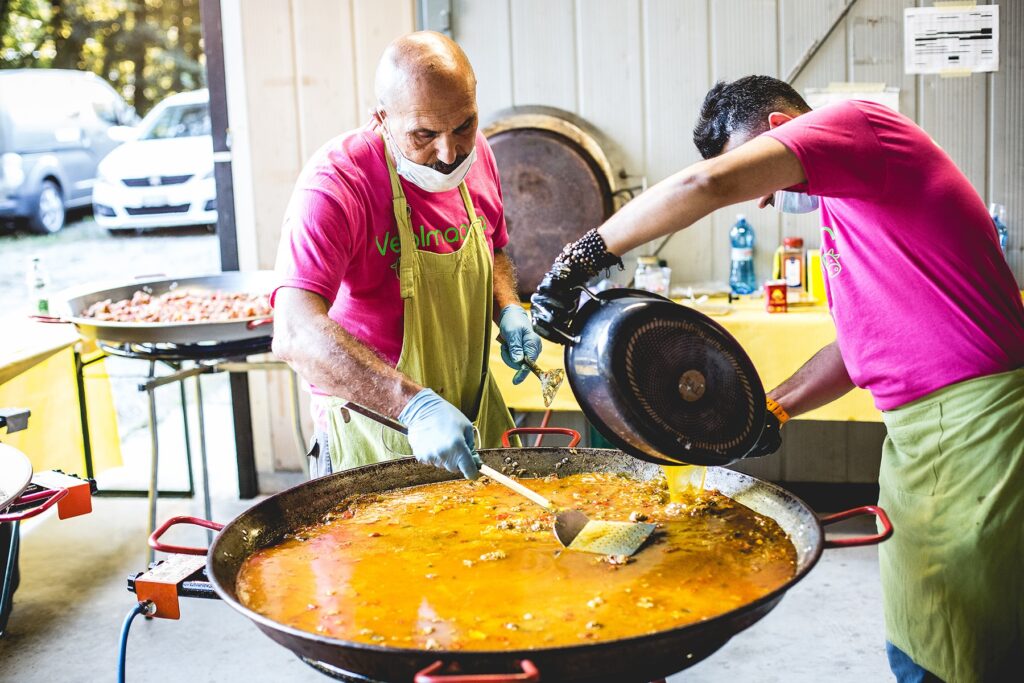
(164, 177)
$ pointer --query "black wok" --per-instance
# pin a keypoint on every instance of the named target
(638, 659)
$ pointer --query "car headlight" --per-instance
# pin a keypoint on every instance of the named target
(13, 170)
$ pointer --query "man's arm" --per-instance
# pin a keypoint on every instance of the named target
(336, 362)
(504, 283)
(752, 170)
(821, 380)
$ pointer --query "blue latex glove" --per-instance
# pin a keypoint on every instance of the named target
(440, 435)
(520, 340)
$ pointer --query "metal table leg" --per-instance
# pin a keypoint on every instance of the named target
(154, 460)
(300, 438)
(185, 426)
(9, 533)
(201, 420)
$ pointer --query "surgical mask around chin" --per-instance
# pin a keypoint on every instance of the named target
(425, 177)
(794, 202)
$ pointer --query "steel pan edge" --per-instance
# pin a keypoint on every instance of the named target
(639, 658)
(75, 301)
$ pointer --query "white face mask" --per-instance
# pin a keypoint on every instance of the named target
(425, 177)
(794, 202)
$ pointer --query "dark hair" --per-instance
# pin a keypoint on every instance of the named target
(741, 106)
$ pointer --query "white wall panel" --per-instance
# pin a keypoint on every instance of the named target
(544, 53)
(325, 71)
(744, 36)
(611, 84)
(484, 32)
(677, 73)
(876, 48)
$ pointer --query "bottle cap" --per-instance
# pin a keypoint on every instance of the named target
(793, 242)
(741, 217)
(647, 260)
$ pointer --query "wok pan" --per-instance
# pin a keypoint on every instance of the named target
(77, 301)
(638, 659)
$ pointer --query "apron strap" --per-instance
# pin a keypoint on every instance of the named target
(403, 223)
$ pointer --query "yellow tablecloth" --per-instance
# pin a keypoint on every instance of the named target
(37, 371)
(777, 343)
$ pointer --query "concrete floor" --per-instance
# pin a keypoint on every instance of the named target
(68, 612)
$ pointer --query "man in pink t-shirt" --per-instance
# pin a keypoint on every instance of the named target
(392, 270)
(928, 318)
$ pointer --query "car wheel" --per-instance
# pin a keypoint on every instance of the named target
(49, 214)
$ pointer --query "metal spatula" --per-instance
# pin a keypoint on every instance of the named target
(573, 529)
(576, 531)
(550, 380)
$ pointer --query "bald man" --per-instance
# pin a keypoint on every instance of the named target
(392, 269)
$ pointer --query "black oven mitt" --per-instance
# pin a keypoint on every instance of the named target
(557, 297)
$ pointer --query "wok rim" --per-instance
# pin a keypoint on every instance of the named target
(263, 622)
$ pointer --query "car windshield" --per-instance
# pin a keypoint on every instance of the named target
(181, 121)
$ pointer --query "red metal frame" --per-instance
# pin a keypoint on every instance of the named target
(430, 675)
(154, 538)
(856, 541)
(52, 497)
(571, 433)
(253, 324)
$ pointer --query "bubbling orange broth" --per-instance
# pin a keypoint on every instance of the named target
(471, 566)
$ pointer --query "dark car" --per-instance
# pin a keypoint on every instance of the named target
(55, 127)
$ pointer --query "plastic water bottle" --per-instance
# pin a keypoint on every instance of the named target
(998, 213)
(741, 269)
(38, 287)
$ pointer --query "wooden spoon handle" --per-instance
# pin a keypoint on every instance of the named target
(517, 487)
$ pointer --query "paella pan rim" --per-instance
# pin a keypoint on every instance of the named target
(263, 622)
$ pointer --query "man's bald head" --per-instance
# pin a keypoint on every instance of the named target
(426, 92)
(422, 65)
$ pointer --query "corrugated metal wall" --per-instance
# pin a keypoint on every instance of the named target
(638, 70)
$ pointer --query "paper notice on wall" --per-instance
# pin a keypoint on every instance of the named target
(945, 40)
(836, 92)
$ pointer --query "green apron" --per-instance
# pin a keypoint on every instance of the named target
(952, 480)
(447, 305)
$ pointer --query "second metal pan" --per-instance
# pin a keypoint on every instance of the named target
(254, 282)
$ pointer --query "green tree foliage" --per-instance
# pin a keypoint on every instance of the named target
(146, 49)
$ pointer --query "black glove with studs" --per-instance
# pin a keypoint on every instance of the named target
(557, 297)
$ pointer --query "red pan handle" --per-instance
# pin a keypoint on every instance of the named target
(154, 538)
(875, 539)
(253, 324)
(50, 499)
(51, 319)
(571, 433)
(431, 675)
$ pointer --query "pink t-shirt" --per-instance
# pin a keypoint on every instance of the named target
(340, 238)
(920, 293)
